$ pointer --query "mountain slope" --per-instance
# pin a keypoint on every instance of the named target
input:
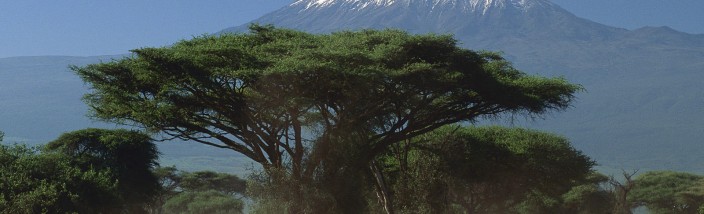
(644, 104)
(480, 18)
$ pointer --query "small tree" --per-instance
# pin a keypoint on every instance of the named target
(621, 191)
(190, 192)
(31, 182)
(204, 202)
(127, 156)
(485, 170)
(592, 196)
(320, 107)
(668, 192)
(169, 179)
(208, 180)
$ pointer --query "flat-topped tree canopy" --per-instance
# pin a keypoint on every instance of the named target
(257, 93)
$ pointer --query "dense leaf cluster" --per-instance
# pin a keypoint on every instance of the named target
(86, 171)
(197, 192)
(108, 171)
(486, 170)
(669, 192)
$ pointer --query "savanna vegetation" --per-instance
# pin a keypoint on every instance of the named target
(107, 171)
(348, 122)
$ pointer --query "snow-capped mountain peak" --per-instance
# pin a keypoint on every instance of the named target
(310, 4)
(467, 5)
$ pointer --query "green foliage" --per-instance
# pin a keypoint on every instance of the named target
(486, 170)
(101, 148)
(693, 196)
(230, 83)
(86, 171)
(203, 202)
(49, 183)
(320, 106)
(79, 173)
(275, 192)
(128, 156)
(169, 179)
(208, 180)
(197, 192)
(669, 192)
(589, 197)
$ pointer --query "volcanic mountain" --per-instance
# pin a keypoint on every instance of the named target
(466, 19)
(644, 101)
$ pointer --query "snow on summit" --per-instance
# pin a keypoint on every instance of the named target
(358, 4)
(470, 5)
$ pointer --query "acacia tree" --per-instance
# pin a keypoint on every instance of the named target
(169, 179)
(668, 192)
(484, 170)
(621, 191)
(85, 171)
(197, 192)
(203, 202)
(208, 180)
(127, 156)
(590, 196)
(31, 182)
(304, 103)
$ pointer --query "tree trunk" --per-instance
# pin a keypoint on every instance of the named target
(382, 190)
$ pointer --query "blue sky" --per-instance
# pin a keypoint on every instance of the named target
(90, 27)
